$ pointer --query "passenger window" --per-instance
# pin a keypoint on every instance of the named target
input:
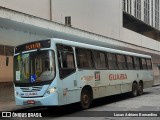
(99, 60)
(121, 62)
(149, 64)
(84, 58)
(144, 65)
(137, 63)
(65, 60)
(112, 62)
(129, 60)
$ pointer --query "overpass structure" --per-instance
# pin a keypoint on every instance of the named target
(17, 28)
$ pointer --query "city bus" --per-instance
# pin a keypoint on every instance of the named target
(56, 72)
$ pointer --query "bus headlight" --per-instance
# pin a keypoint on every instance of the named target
(16, 93)
(51, 90)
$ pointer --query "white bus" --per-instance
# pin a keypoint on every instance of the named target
(57, 72)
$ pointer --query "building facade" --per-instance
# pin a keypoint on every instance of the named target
(135, 22)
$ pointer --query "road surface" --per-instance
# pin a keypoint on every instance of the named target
(109, 108)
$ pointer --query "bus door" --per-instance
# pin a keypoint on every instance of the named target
(67, 73)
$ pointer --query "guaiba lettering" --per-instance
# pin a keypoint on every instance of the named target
(117, 76)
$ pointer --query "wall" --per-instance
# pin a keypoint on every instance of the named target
(39, 8)
(6, 72)
(156, 70)
(140, 40)
(97, 16)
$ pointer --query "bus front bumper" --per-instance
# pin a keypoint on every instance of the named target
(49, 100)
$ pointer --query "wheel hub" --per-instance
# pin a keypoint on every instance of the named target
(85, 99)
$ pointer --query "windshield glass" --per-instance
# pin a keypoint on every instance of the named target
(34, 67)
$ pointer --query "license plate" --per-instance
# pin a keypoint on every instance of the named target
(30, 102)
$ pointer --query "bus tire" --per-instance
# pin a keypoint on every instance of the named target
(86, 99)
(134, 89)
(140, 88)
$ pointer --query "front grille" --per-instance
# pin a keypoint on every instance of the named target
(31, 89)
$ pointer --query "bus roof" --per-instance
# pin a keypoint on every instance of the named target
(94, 47)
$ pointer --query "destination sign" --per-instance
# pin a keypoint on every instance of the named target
(33, 45)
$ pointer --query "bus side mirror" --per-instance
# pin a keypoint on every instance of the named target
(7, 60)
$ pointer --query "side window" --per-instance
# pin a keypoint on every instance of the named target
(136, 63)
(121, 62)
(129, 61)
(84, 58)
(112, 62)
(144, 65)
(149, 64)
(66, 61)
(99, 60)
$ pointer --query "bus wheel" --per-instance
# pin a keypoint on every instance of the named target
(134, 89)
(85, 99)
(140, 88)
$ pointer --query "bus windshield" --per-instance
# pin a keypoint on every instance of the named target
(33, 67)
